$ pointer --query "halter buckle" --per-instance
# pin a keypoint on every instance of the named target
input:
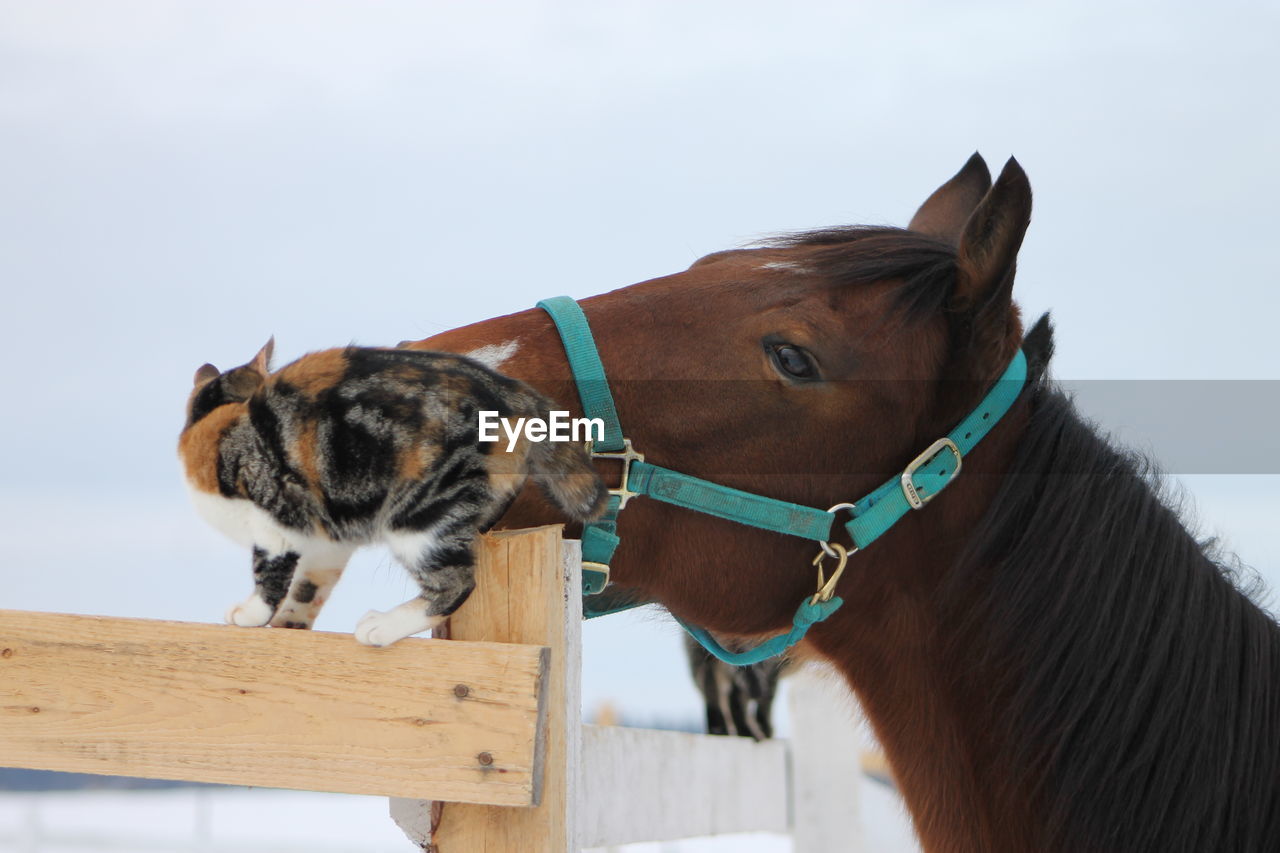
(628, 455)
(909, 488)
(597, 583)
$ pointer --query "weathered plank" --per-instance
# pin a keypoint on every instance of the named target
(824, 762)
(270, 707)
(659, 786)
(529, 591)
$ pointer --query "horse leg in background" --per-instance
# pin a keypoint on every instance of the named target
(738, 699)
(760, 682)
(708, 677)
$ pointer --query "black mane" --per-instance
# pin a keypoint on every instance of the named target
(1137, 688)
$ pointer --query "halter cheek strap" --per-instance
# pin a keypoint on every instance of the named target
(870, 516)
(600, 537)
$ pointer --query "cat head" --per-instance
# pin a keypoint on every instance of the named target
(214, 388)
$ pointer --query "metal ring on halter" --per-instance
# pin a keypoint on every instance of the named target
(827, 547)
(827, 586)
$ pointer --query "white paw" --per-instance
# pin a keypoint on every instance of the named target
(253, 612)
(376, 628)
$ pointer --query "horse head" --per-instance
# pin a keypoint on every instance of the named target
(808, 369)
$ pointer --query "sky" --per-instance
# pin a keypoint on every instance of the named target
(179, 181)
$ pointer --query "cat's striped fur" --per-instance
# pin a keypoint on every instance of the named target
(352, 446)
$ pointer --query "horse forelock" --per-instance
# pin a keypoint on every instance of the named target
(860, 255)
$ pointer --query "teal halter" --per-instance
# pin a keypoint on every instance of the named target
(870, 516)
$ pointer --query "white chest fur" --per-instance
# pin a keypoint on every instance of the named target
(240, 521)
(253, 527)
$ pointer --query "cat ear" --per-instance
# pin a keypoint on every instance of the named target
(205, 372)
(262, 361)
(240, 383)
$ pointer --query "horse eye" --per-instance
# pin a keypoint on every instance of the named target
(794, 361)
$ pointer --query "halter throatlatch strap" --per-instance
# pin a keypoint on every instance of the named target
(935, 468)
(870, 517)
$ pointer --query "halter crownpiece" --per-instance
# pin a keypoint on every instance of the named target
(870, 516)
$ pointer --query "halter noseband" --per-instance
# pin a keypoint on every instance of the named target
(870, 516)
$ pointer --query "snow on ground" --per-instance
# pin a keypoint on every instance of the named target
(221, 820)
(197, 819)
(211, 820)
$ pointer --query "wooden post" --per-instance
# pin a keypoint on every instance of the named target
(528, 590)
(825, 770)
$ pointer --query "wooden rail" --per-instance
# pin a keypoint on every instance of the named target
(271, 708)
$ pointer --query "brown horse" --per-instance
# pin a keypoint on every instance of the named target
(1050, 660)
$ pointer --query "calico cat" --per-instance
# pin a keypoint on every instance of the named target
(352, 446)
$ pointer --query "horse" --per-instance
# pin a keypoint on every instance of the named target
(738, 700)
(1050, 659)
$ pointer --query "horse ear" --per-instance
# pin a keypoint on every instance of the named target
(943, 215)
(988, 250)
(1038, 345)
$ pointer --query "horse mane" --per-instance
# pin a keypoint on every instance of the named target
(1129, 683)
(1136, 685)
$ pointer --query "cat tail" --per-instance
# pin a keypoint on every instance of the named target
(564, 471)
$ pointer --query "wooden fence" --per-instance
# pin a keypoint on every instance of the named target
(477, 741)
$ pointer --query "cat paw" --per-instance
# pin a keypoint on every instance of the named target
(288, 617)
(376, 628)
(253, 612)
